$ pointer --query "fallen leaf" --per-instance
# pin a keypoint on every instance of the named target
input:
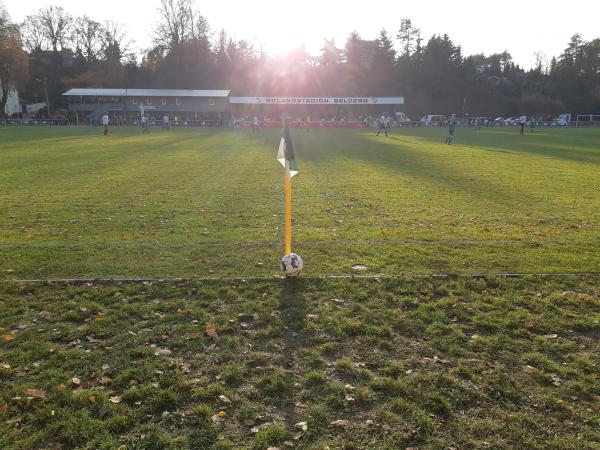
(550, 336)
(92, 399)
(115, 399)
(556, 381)
(8, 337)
(211, 331)
(162, 352)
(221, 414)
(339, 423)
(224, 399)
(3, 409)
(35, 393)
(75, 382)
(302, 426)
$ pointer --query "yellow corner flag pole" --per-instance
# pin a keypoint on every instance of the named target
(288, 210)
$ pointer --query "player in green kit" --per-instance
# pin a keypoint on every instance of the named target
(451, 129)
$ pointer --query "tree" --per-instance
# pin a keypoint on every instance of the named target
(440, 75)
(409, 37)
(384, 60)
(114, 43)
(331, 55)
(571, 54)
(221, 56)
(385, 49)
(179, 22)
(33, 36)
(13, 59)
(88, 35)
(352, 53)
(114, 51)
(56, 26)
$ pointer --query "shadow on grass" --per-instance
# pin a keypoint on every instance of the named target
(486, 149)
(292, 305)
(435, 168)
(400, 140)
(410, 157)
(569, 146)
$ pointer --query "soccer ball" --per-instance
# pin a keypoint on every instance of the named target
(291, 265)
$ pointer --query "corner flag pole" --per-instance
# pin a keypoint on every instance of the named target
(288, 210)
(286, 158)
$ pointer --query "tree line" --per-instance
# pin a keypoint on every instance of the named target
(52, 51)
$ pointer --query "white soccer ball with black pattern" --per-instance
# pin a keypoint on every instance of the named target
(291, 265)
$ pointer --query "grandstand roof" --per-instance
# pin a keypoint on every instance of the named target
(146, 92)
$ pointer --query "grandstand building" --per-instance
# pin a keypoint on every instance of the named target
(215, 107)
(129, 103)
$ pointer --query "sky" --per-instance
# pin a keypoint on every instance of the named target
(524, 28)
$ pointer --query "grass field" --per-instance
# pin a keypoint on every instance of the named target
(360, 364)
(235, 358)
(206, 203)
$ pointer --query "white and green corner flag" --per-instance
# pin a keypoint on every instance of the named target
(285, 155)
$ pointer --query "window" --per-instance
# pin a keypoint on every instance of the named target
(148, 100)
(211, 101)
(134, 100)
(163, 100)
(177, 101)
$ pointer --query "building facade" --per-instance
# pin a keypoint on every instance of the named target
(129, 103)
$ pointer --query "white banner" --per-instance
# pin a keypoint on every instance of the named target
(316, 100)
